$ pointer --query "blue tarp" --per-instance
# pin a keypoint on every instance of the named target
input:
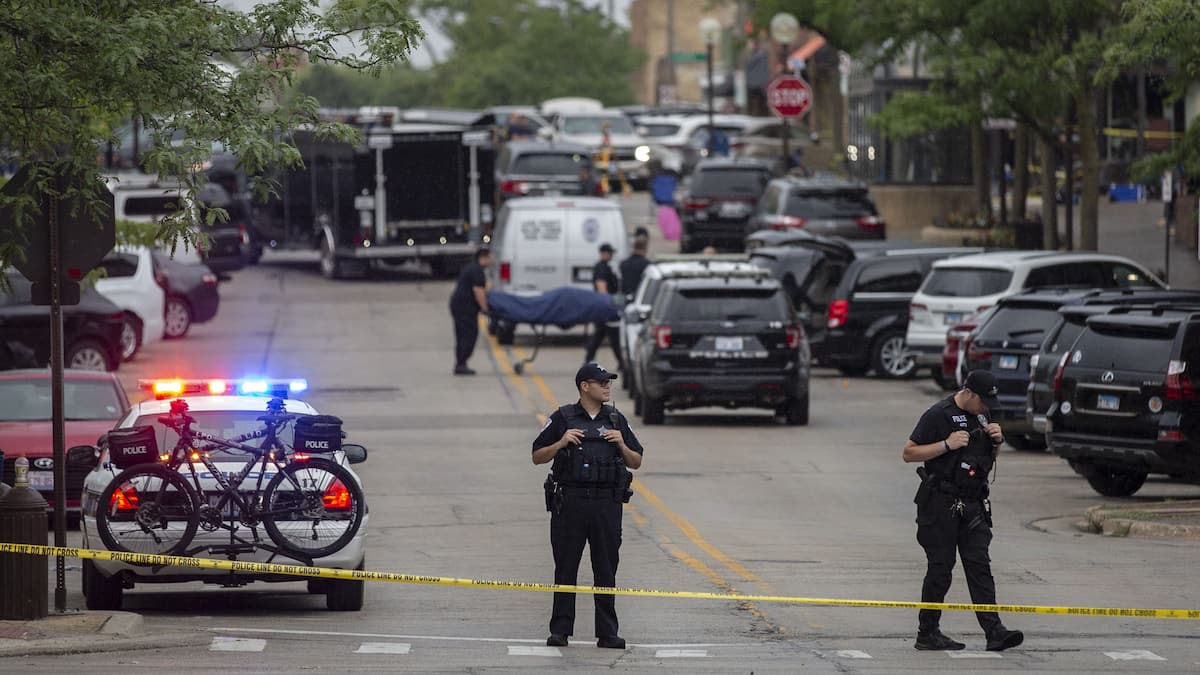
(565, 306)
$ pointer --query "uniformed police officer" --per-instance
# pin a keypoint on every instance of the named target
(958, 445)
(592, 448)
(604, 280)
(466, 302)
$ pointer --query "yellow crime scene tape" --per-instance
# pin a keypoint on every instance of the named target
(395, 577)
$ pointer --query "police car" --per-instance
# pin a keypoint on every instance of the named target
(225, 408)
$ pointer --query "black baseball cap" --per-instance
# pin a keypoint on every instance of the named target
(593, 371)
(607, 248)
(983, 383)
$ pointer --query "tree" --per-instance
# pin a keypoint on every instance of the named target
(193, 73)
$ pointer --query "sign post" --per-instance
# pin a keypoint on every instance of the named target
(789, 97)
(64, 241)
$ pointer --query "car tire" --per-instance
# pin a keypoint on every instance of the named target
(88, 354)
(1111, 482)
(102, 593)
(317, 586)
(887, 357)
(131, 337)
(796, 411)
(853, 371)
(177, 317)
(345, 595)
(654, 411)
(637, 403)
(1030, 442)
(947, 384)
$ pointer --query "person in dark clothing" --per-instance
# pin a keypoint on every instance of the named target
(592, 448)
(467, 301)
(604, 280)
(633, 267)
(958, 446)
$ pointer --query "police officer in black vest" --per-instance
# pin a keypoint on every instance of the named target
(592, 448)
(958, 445)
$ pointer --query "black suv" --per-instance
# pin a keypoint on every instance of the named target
(821, 205)
(91, 329)
(722, 341)
(867, 316)
(1125, 401)
(719, 199)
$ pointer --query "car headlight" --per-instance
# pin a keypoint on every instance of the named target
(642, 153)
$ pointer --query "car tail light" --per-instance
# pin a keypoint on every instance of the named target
(974, 353)
(839, 312)
(160, 278)
(337, 497)
(1058, 373)
(505, 271)
(912, 307)
(982, 308)
(1179, 385)
(210, 279)
(871, 223)
(514, 187)
(696, 203)
(794, 333)
(662, 336)
(784, 222)
(1171, 435)
(245, 235)
(123, 500)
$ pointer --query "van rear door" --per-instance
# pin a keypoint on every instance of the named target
(588, 227)
(534, 242)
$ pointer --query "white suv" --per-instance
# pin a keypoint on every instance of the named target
(959, 287)
(130, 285)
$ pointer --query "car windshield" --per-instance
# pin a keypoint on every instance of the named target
(592, 124)
(962, 282)
(1128, 348)
(1023, 324)
(846, 204)
(731, 182)
(29, 400)
(223, 423)
(549, 164)
(658, 130)
(728, 304)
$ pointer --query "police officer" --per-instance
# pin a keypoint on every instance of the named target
(466, 302)
(604, 280)
(592, 448)
(958, 445)
(633, 267)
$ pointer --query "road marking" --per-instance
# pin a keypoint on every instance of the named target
(383, 648)
(221, 643)
(974, 655)
(1134, 655)
(288, 631)
(681, 654)
(523, 650)
(851, 654)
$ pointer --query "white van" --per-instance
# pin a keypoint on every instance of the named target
(544, 243)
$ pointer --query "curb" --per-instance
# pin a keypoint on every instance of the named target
(1109, 522)
(101, 642)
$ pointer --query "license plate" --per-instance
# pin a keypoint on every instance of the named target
(732, 210)
(583, 274)
(1008, 362)
(953, 317)
(41, 480)
(553, 193)
(1108, 402)
(729, 344)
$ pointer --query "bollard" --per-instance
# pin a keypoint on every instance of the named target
(24, 581)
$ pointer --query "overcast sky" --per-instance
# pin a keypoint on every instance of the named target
(437, 44)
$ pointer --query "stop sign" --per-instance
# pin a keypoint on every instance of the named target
(789, 96)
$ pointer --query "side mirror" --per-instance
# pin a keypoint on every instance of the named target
(83, 456)
(355, 453)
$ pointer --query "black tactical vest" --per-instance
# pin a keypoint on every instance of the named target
(596, 462)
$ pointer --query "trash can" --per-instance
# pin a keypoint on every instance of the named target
(24, 579)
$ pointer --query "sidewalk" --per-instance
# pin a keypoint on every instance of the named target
(81, 632)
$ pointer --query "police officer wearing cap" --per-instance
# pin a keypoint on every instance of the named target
(604, 280)
(958, 445)
(592, 448)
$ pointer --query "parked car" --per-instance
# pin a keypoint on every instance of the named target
(637, 309)
(867, 318)
(822, 205)
(1125, 401)
(92, 401)
(630, 150)
(543, 169)
(688, 135)
(91, 330)
(764, 138)
(962, 286)
(722, 341)
(784, 237)
(129, 282)
(191, 293)
(954, 353)
(719, 198)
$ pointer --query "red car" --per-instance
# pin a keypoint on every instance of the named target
(92, 401)
(958, 342)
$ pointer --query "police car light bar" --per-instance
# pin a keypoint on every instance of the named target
(220, 387)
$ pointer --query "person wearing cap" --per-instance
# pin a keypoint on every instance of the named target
(604, 280)
(466, 302)
(592, 449)
(633, 267)
(958, 445)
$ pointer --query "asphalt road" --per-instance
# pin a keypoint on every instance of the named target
(726, 500)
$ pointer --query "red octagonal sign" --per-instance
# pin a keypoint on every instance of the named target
(789, 96)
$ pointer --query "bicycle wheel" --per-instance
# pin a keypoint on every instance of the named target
(148, 508)
(312, 508)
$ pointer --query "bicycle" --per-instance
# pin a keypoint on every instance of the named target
(310, 508)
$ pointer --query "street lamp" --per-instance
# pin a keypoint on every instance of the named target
(710, 31)
(784, 29)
